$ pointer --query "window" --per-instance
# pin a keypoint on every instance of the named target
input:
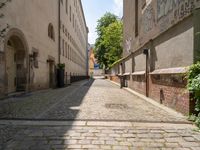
(35, 59)
(136, 18)
(66, 49)
(51, 32)
(68, 52)
(66, 5)
(63, 28)
(63, 46)
(70, 13)
(73, 20)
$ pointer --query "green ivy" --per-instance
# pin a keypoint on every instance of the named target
(193, 77)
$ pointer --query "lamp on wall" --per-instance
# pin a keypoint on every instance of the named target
(146, 51)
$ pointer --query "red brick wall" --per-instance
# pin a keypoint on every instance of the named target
(138, 84)
(170, 90)
(115, 79)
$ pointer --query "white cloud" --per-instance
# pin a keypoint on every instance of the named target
(118, 7)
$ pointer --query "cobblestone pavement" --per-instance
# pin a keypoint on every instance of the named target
(32, 105)
(102, 117)
(103, 135)
(105, 101)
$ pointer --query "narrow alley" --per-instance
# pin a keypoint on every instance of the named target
(93, 114)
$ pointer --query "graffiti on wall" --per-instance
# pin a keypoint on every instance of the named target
(179, 8)
(148, 19)
(160, 15)
(128, 44)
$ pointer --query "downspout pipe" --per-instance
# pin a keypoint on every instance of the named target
(59, 25)
(146, 52)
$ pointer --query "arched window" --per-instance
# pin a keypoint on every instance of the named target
(51, 32)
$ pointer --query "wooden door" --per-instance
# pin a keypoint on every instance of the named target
(11, 69)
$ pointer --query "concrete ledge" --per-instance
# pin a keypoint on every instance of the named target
(97, 124)
(108, 123)
(42, 123)
(164, 125)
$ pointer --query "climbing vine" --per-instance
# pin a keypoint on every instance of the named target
(193, 86)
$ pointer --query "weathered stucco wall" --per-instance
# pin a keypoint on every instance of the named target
(170, 30)
(154, 18)
(140, 63)
(175, 47)
(128, 65)
(32, 18)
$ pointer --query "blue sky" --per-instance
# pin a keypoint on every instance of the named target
(95, 9)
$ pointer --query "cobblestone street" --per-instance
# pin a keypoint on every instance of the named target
(93, 114)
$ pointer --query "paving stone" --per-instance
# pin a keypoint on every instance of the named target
(84, 142)
(172, 145)
(115, 133)
(106, 147)
(98, 142)
(90, 146)
(74, 146)
(120, 148)
(112, 143)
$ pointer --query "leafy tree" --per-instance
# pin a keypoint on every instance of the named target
(112, 39)
(108, 44)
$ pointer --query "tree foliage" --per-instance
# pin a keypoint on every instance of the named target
(108, 47)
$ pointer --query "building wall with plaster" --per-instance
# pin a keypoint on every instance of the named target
(169, 29)
(32, 19)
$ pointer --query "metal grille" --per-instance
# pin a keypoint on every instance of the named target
(116, 106)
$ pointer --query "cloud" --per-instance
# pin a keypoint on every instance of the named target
(118, 7)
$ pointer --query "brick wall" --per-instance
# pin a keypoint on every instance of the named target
(170, 90)
(137, 83)
(115, 79)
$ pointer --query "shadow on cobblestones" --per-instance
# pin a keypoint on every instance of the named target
(35, 107)
(32, 105)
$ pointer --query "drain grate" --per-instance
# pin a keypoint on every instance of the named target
(116, 106)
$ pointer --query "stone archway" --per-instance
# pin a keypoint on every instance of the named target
(16, 62)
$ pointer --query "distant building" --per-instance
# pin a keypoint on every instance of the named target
(166, 32)
(41, 34)
(91, 60)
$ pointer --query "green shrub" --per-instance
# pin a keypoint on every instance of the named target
(193, 77)
(61, 66)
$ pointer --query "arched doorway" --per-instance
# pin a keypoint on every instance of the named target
(16, 57)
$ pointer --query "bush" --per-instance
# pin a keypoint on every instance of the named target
(61, 66)
(193, 86)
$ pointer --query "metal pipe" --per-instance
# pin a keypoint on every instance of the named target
(59, 50)
(146, 52)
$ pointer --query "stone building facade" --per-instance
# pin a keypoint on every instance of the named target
(161, 39)
(40, 35)
(91, 60)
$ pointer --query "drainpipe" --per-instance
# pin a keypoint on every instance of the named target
(146, 52)
(59, 31)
